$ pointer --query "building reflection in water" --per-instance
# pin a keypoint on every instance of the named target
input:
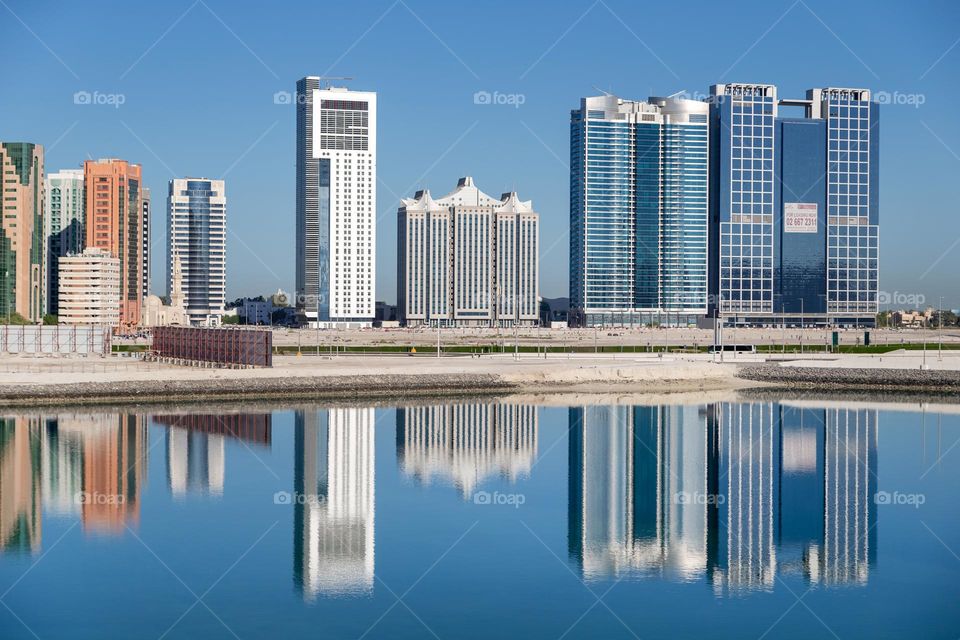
(20, 514)
(87, 465)
(736, 493)
(114, 470)
(465, 444)
(195, 447)
(333, 501)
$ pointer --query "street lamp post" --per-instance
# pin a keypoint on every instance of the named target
(940, 330)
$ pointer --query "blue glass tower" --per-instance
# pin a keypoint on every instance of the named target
(638, 211)
(793, 207)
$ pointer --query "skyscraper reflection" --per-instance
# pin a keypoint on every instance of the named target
(733, 492)
(333, 501)
(466, 443)
(636, 478)
(195, 447)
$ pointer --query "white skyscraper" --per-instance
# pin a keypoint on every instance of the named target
(336, 203)
(197, 235)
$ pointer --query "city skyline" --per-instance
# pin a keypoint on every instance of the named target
(492, 98)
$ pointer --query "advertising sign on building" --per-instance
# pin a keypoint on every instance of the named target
(800, 217)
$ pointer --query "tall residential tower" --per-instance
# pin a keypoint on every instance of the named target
(467, 259)
(63, 227)
(114, 223)
(638, 211)
(21, 239)
(197, 233)
(336, 203)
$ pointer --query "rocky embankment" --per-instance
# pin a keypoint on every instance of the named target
(866, 379)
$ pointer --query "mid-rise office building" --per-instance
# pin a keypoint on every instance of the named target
(794, 206)
(468, 259)
(336, 203)
(197, 235)
(114, 223)
(21, 240)
(638, 211)
(63, 227)
(89, 288)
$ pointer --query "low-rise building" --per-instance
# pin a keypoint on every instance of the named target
(89, 288)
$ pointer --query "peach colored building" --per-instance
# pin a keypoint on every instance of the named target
(114, 222)
(21, 239)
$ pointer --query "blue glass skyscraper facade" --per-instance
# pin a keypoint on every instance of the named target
(638, 211)
(793, 206)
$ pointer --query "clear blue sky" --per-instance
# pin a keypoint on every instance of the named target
(198, 80)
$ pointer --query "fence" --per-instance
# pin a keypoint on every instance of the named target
(55, 338)
(227, 346)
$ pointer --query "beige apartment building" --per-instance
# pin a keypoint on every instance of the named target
(90, 288)
(21, 238)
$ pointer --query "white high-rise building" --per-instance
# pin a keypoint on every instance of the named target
(467, 259)
(197, 235)
(336, 203)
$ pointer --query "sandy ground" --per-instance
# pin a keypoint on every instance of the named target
(329, 339)
(528, 369)
(578, 369)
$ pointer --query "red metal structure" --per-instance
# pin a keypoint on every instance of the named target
(226, 346)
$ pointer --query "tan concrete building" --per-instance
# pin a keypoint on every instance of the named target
(89, 288)
(114, 223)
(21, 240)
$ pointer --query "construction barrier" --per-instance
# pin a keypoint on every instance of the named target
(56, 338)
(223, 346)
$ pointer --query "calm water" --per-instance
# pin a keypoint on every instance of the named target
(483, 519)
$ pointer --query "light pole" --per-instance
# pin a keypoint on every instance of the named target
(940, 330)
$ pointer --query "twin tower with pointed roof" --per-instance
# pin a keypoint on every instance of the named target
(467, 259)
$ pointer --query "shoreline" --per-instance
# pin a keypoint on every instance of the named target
(295, 379)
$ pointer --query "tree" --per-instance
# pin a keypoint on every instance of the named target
(49, 318)
(230, 319)
(16, 318)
